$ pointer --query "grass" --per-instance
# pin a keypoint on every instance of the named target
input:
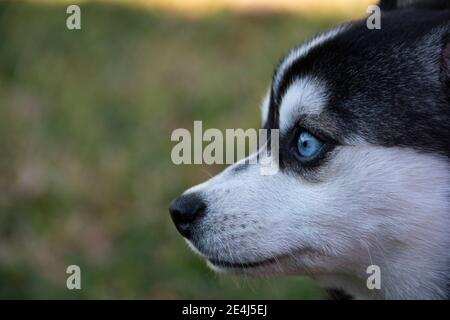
(85, 124)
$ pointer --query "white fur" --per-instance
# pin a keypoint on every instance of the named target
(265, 107)
(305, 96)
(374, 205)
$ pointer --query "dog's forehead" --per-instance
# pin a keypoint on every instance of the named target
(304, 95)
(302, 51)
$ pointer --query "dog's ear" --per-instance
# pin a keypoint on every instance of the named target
(388, 5)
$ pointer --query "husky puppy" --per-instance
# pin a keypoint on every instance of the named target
(364, 165)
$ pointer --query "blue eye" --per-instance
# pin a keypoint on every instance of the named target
(308, 146)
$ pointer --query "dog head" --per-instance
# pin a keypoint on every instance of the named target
(364, 123)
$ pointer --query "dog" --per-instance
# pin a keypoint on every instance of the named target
(364, 157)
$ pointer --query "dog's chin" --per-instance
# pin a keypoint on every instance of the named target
(282, 264)
(259, 268)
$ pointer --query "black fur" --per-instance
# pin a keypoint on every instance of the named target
(385, 85)
(401, 4)
(338, 294)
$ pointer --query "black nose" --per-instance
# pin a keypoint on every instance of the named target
(184, 210)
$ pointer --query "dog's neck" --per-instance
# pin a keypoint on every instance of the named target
(409, 274)
(345, 287)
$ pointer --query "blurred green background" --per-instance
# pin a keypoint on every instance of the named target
(85, 124)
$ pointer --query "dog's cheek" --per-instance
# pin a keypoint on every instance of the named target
(383, 190)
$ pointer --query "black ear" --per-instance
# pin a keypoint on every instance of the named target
(388, 5)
